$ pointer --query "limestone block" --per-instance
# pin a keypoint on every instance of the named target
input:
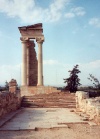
(90, 106)
(83, 95)
(97, 120)
(98, 111)
(31, 90)
(12, 85)
(90, 101)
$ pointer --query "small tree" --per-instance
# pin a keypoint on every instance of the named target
(6, 85)
(73, 81)
(95, 82)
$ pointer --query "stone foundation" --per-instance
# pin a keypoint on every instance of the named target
(33, 90)
(90, 106)
(9, 102)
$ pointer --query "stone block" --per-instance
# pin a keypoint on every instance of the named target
(32, 90)
(98, 111)
(90, 106)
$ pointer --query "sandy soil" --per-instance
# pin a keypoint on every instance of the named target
(74, 131)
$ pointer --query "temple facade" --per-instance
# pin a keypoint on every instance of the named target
(32, 68)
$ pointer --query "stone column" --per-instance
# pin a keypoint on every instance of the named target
(24, 63)
(40, 63)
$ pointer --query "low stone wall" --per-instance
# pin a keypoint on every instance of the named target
(90, 106)
(9, 102)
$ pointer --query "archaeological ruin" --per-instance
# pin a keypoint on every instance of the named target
(32, 68)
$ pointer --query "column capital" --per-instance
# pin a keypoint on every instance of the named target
(39, 40)
(24, 39)
(27, 42)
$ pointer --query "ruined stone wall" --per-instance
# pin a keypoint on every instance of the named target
(9, 102)
(32, 66)
(90, 106)
(12, 86)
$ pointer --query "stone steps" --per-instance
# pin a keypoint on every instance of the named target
(49, 102)
(53, 100)
(47, 105)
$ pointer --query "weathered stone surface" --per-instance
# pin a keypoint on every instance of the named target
(90, 106)
(12, 86)
(9, 102)
(52, 100)
(32, 31)
(98, 111)
(32, 90)
(32, 66)
(32, 119)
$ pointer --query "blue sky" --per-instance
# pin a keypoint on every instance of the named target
(71, 29)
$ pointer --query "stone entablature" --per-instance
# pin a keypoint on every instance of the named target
(90, 106)
(32, 32)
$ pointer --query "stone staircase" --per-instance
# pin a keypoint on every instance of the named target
(52, 100)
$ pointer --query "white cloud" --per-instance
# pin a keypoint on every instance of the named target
(29, 12)
(7, 72)
(89, 68)
(69, 15)
(55, 63)
(92, 65)
(95, 22)
(77, 11)
(50, 62)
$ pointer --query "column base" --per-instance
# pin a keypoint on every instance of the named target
(39, 85)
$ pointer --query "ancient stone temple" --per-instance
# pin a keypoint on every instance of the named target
(32, 70)
(32, 63)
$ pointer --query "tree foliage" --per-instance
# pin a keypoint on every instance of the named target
(73, 81)
(6, 85)
(95, 81)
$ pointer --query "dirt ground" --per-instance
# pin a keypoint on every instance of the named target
(74, 131)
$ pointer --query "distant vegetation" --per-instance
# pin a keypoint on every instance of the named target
(94, 89)
(5, 87)
(95, 81)
(73, 81)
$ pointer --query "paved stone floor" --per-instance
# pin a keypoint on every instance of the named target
(33, 118)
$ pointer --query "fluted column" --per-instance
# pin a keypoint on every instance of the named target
(24, 63)
(40, 63)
